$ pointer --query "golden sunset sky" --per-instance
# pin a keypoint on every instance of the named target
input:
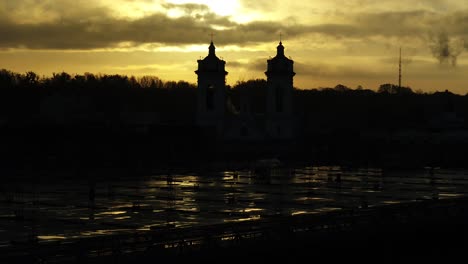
(350, 42)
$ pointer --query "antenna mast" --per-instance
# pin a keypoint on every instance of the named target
(399, 72)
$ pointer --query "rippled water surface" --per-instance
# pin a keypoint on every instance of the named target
(66, 210)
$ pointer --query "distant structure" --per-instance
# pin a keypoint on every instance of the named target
(215, 111)
(211, 91)
(399, 72)
(280, 73)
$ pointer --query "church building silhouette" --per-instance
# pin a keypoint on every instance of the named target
(215, 114)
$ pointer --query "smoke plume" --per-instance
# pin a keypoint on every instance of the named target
(445, 49)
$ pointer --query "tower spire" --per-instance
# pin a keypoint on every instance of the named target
(280, 50)
(212, 48)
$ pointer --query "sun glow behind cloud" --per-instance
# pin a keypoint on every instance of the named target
(222, 8)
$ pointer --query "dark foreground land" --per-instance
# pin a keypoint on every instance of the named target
(78, 123)
(74, 149)
(420, 232)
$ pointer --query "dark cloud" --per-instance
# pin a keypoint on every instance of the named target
(446, 49)
(188, 8)
(386, 24)
(108, 31)
(85, 25)
(94, 27)
(36, 11)
(394, 23)
(105, 32)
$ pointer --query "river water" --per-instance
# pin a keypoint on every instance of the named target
(68, 209)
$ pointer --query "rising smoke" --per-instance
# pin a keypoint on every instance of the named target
(445, 49)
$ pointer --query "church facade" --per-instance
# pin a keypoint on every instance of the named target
(214, 109)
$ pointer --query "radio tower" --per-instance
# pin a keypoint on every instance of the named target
(399, 72)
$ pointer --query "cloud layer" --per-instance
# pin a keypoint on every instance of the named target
(329, 40)
(66, 25)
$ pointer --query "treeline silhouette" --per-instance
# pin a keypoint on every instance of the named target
(70, 122)
(64, 98)
(116, 99)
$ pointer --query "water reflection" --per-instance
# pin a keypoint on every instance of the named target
(50, 238)
(71, 209)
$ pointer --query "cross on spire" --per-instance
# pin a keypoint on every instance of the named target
(212, 34)
(281, 37)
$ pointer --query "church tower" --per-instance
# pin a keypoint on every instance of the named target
(211, 91)
(279, 112)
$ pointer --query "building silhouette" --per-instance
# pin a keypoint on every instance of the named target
(211, 91)
(280, 74)
(216, 112)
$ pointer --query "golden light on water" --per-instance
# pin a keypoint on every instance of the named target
(51, 237)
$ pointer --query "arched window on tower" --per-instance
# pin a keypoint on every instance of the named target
(210, 98)
(279, 99)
